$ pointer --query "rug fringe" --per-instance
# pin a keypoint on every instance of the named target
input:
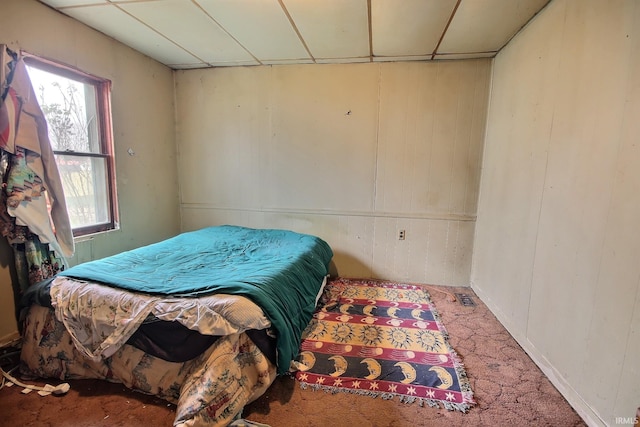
(450, 406)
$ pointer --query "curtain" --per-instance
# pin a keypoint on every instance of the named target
(33, 212)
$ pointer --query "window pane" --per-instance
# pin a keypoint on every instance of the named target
(70, 109)
(85, 189)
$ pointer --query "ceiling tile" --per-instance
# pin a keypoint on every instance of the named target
(233, 63)
(332, 28)
(465, 55)
(408, 27)
(64, 3)
(122, 27)
(401, 58)
(261, 27)
(487, 25)
(190, 66)
(343, 60)
(188, 26)
(287, 61)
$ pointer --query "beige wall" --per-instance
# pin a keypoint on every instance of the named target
(143, 120)
(351, 153)
(557, 246)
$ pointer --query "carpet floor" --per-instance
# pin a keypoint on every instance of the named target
(509, 390)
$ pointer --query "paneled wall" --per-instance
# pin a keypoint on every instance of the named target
(143, 121)
(352, 153)
(557, 237)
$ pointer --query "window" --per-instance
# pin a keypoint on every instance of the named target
(76, 106)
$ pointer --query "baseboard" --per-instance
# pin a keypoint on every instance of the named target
(9, 340)
(569, 393)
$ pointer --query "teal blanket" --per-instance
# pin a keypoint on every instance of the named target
(281, 271)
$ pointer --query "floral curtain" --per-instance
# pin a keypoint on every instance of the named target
(33, 213)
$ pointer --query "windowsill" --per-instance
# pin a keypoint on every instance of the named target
(92, 236)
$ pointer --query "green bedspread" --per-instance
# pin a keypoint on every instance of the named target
(281, 271)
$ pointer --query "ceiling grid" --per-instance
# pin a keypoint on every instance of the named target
(185, 34)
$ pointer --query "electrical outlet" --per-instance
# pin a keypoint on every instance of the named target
(401, 234)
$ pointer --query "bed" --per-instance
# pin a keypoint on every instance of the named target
(206, 319)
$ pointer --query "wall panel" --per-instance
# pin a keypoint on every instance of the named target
(231, 173)
(431, 127)
(321, 154)
(556, 250)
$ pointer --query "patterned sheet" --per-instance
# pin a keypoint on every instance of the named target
(209, 390)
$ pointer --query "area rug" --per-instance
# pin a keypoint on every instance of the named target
(382, 339)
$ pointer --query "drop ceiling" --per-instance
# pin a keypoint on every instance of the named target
(184, 34)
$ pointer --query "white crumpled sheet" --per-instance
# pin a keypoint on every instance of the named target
(100, 319)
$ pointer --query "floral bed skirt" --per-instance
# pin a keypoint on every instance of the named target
(210, 390)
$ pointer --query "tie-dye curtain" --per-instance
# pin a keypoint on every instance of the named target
(33, 213)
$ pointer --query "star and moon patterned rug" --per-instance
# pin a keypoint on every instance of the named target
(382, 339)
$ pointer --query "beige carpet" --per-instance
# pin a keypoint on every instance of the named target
(508, 388)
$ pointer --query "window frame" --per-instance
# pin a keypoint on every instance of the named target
(102, 88)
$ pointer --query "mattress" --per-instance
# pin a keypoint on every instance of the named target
(280, 270)
(233, 300)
